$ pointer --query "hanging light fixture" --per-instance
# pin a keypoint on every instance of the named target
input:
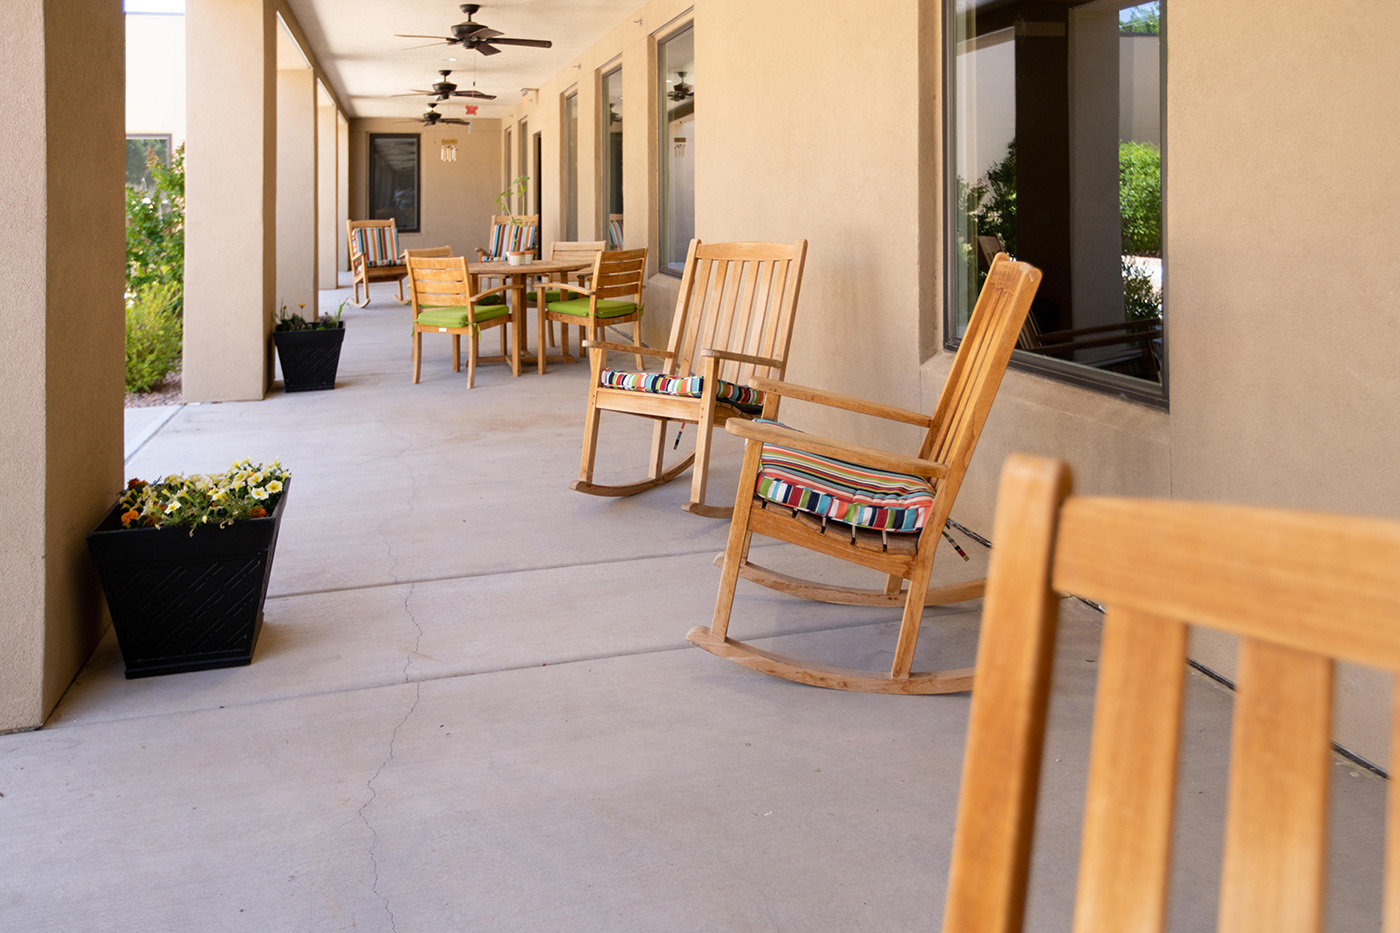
(449, 148)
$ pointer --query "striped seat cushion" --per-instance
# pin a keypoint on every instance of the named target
(511, 237)
(379, 245)
(881, 500)
(741, 397)
(614, 234)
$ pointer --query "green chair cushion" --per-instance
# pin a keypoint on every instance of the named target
(438, 316)
(607, 307)
(551, 295)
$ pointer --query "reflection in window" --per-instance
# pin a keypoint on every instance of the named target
(393, 179)
(141, 152)
(676, 68)
(1055, 136)
(612, 157)
(571, 167)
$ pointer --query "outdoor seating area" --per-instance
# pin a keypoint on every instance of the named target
(431, 693)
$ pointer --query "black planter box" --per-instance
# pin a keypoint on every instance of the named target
(183, 602)
(309, 358)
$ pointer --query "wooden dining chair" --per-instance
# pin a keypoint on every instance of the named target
(444, 303)
(878, 509)
(733, 320)
(374, 256)
(567, 251)
(1299, 589)
(613, 295)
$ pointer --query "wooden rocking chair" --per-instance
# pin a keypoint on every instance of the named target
(374, 256)
(1298, 589)
(733, 319)
(889, 509)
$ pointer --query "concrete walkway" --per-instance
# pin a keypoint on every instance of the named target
(472, 708)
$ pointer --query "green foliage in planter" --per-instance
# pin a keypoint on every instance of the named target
(1140, 198)
(153, 335)
(155, 227)
(287, 321)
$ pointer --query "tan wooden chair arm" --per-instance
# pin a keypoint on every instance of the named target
(563, 286)
(830, 447)
(627, 348)
(741, 357)
(499, 289)
(837, 400)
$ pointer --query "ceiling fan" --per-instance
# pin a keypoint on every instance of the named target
(681, 91)
(433, 118)
(473, 35)
(444, 89)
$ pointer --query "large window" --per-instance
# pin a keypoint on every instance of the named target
(393, 179)
(612, 156)
(522, 167)
(1055, 140)
(675, 67)
(571, 166)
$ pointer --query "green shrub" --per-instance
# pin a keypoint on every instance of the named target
(155, 227)
(153, 335)
(1140, 198)
(1141, 301)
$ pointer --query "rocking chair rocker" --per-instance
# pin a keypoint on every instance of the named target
(890, 508)
(733, 320)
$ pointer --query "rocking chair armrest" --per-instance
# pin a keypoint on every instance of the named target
(742, 357)
(482, 255)
(830, 447)
(837, 400)
(627, 348)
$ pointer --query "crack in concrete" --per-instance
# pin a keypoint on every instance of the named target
(393, 737)
(412, 497)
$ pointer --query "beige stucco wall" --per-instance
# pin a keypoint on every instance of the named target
(297, 191)
(456, 197)
(61, 438)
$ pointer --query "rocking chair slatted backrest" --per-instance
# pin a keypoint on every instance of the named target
(739, 297)
(620, 274)
(973, 381)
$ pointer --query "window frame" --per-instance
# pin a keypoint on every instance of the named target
(417, 178)
(663, 137)
(1128, 388)
(606, 162)
(569, 192)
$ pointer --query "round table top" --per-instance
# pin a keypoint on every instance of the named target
(538, 267)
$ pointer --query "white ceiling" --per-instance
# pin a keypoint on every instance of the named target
(354, 42)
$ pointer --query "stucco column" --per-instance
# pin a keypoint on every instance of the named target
(230, 197)
(296, 189)
(61, 435)
(326, 183)
(342, 192)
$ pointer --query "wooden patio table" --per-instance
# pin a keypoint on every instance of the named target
(518, 278)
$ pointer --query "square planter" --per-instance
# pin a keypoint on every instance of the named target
(186, 602)
(309, 358)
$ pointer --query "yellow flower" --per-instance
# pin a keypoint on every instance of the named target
(273, 487)
(259, 493)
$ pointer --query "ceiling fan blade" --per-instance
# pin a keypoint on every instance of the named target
(414, 35)
(532, 43)
(428, 46)
(413, 93)
(485, 48)
(485, 35)
(453, 120)
(475, 95)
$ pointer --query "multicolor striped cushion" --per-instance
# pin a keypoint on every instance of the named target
(862, 496)
(741, 397)
(511, 237)
(379, 245)
(614, 234)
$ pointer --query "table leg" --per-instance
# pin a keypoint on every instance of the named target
(517, 294)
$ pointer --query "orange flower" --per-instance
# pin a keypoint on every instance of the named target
(135, 483)
(130, 516)
(258, 512)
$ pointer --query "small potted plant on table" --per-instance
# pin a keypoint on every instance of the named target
(185, 563)
(309, 351)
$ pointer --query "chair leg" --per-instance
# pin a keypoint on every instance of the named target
(737, 549)
(541, 326)
(637, 342)
(417, 354)
(658, 450)
(590, 422)
(473, 340)
(913, 617)
(456, 353)
(700, 473)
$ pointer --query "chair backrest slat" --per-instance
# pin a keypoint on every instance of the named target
(1299, 590)
(619, 274)
(439, 281)
(740, 297)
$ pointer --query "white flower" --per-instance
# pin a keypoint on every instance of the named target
(259, 493)
(273, 487)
